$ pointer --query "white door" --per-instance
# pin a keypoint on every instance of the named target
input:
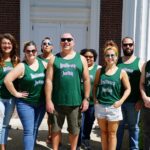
(41, 30)
(40, 18)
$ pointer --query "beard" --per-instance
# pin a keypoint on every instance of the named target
(128, 53)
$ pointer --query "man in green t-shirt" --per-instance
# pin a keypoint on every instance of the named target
(63, 90)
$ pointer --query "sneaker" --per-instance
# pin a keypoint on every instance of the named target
(86, 144)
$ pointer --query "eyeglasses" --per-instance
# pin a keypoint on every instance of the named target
(89, 57)
(110, 55)
(66, 39)
(126, 44)
(47, 43)
(31, 51)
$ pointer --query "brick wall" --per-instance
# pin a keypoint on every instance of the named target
(10, 17)
(110, 23)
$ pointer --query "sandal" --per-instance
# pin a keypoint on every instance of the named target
(49, 140)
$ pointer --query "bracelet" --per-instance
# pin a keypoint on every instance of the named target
(88, 99)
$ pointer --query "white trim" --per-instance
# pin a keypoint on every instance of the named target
(24, 23)
(46, 14)
(94, 25)
(136, 24)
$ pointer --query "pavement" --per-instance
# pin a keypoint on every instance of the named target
(15, 141)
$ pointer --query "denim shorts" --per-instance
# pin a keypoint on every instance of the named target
(107, 112)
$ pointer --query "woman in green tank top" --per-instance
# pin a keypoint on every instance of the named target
(8, 59)
(88, 116)
(46, 49)
(31, 97)
(107, 103)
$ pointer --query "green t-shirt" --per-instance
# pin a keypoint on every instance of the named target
(134, 73)
(33, 83)
(66, 81)
(4, 93)
(109, 87)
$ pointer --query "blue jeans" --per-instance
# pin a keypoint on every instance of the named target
(6, 110)
(131, 118)
(31, 117)
(146, 128)
(86, 124)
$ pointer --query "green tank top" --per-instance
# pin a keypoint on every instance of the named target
(109, 87)
(66, 81)
(33, 83)
(147, 78)
(134, 74)
(92, 73)
(44, 59)
(4, 93)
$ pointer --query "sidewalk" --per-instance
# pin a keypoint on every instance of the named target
(16, 134)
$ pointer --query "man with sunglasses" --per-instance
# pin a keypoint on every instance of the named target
(63, 90)
(131, 107)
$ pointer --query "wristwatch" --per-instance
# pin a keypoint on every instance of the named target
(87, 98)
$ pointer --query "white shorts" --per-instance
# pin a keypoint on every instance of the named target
(109, 113)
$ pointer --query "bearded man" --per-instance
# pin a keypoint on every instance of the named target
(131, 107)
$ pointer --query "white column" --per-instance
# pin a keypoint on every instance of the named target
(135, 23)
(25, 24)
(94, 25)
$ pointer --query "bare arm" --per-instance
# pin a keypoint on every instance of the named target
(139, 103)
(96, 82)
(13, 75)
(145, 98)
(49, 86)
(86, 82)
(141, 64)
(127, 89)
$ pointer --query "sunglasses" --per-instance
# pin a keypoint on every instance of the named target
(47, 43)
(89, 57)
(126, 44)
(110, 55)
(66, 39)
(31, 51)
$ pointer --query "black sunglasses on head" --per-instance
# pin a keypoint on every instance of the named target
(66, 39)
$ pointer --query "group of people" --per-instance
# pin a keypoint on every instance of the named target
(71, 85)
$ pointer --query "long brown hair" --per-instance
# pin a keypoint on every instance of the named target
(13, 54)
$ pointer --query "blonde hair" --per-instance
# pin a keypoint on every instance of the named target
(114, 48)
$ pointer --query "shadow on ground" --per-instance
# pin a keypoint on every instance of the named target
(15, 141)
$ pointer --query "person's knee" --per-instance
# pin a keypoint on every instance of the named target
(112, 134)
(104, 132)
(74, 132)
(56, 133)
(28, 131)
